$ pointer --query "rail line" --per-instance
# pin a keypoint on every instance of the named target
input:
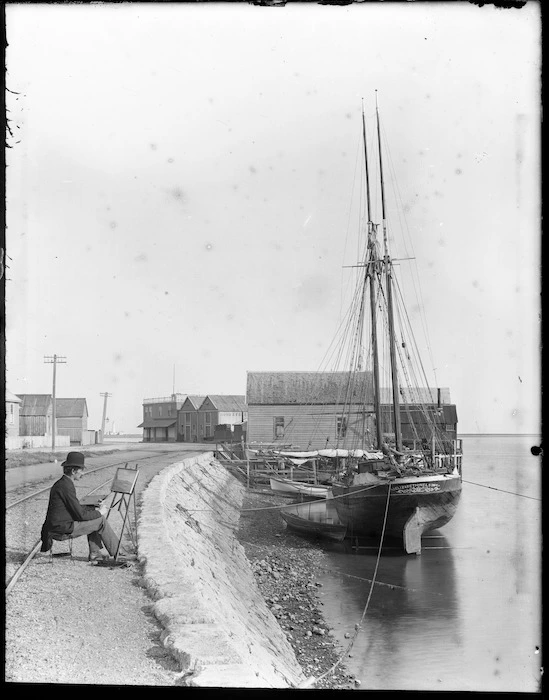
(87, 473)
(30, 556)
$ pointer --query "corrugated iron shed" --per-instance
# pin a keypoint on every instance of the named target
(34, 404)
(306, 388)
(229, 402)
(71, 408)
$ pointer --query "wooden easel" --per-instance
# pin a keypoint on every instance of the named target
(123, 488)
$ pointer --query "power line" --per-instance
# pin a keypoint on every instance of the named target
(55, 360)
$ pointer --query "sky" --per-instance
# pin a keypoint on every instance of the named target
(183, 183)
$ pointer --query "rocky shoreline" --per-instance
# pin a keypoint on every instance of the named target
(286, 568)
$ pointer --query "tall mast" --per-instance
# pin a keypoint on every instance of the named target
(370, 273)
(388, 272)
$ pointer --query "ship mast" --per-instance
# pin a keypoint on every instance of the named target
(388, 273)
(371, 271)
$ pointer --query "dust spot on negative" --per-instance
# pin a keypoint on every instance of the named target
(458, 171)
(170, 160)
(153, 146)
(113, 224)
(252, 169)
(208, 246)
(178, 194)
(142, 257)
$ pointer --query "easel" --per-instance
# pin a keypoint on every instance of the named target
(123, 488)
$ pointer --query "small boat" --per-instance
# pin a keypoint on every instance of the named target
(282, 485)
(314, 519)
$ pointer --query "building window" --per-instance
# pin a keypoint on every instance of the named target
(160, 410)
(169, 411)
(341, 426)
(278, 427)
(11, 414)
(450, 427)
(208, 418)
(188, 418)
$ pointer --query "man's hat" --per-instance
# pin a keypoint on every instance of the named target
(74, 459)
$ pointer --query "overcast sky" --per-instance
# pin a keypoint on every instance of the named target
(182, 187)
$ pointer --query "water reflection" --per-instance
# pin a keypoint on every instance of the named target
(464, 614)
(413, 613)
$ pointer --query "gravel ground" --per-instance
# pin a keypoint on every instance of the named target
(71, 622)
(286, 568)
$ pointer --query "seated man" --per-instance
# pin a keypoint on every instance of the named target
(66, 515)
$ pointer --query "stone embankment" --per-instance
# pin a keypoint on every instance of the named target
(216, 622)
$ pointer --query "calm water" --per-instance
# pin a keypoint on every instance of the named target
(466, 613)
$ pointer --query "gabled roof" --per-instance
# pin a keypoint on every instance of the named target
(71, 408)
(34, 404)
(309, 388)
(228, 402)
(11, 398)
(195, 402)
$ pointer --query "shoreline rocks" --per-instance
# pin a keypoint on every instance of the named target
(285, 567)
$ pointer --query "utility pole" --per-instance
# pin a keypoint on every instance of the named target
(106, 395)
(54, 359)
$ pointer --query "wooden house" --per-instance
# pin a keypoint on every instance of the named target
(160, 418)
(13, 404)
(187, 419)
(219, 409)
(71, 418)
(35, 414)
(308, 410)
(419, 409)
(312, 410)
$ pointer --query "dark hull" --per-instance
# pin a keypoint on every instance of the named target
(314, 519)
(419, 504)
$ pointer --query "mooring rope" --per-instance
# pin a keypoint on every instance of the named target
(513, 493)
(313, 680)
(286, 505)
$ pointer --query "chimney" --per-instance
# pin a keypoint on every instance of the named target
(438, 398)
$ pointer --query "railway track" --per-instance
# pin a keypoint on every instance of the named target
(26, 506)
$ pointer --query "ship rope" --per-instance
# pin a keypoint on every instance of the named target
(403, 226)
(494, 488)
(284, 505)
(314, 680)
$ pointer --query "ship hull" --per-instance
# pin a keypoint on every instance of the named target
(416, 505)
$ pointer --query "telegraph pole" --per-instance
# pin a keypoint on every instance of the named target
(54, 359)
(106, 395)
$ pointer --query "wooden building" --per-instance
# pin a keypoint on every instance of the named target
(35, 414)
(217, 409)
(313, 410)
(13, 404)
(309, 410)
(419, 410)
(187, 419)
(160, 418)
(71, 418)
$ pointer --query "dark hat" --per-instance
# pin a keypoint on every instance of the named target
(74, 459)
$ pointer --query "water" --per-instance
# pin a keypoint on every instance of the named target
(465, 614)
